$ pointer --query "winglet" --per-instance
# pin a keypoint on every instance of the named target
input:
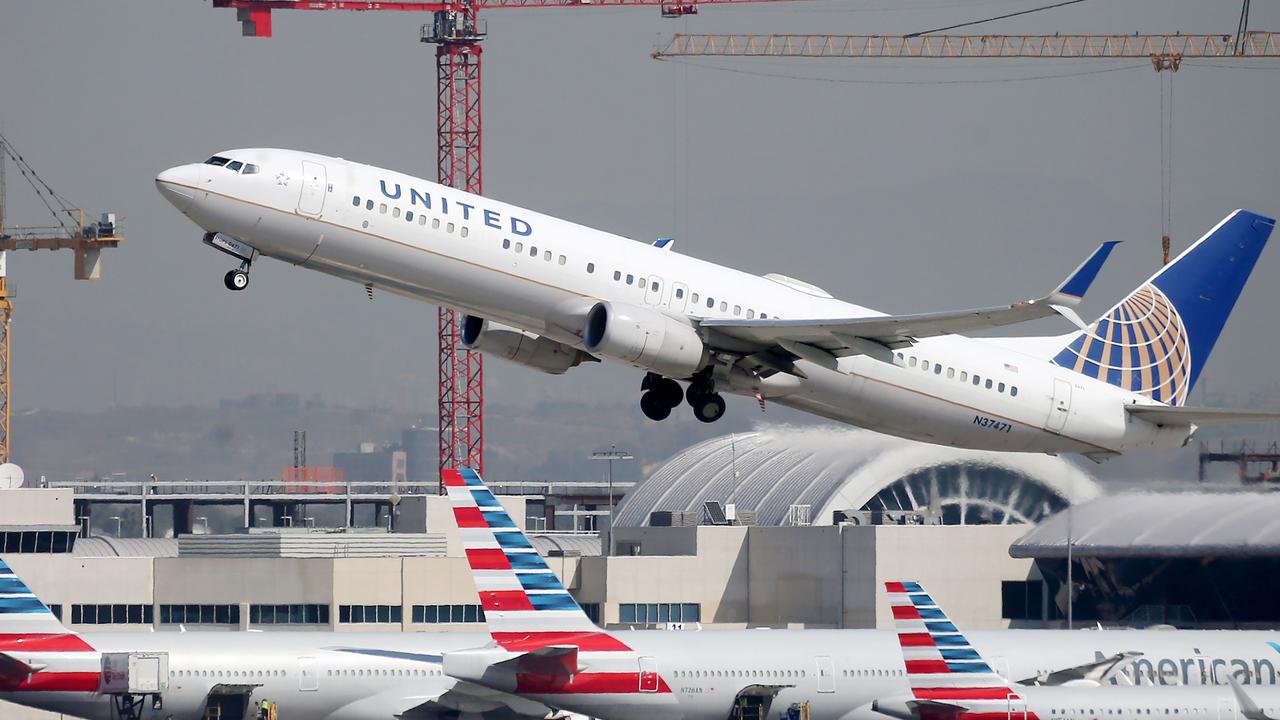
(1073, 288)
(665, 243)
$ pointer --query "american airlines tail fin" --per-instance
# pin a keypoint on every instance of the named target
(942, 667)
(1156, 341)
(38, 652)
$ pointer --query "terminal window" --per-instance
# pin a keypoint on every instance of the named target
(37, 541)
(655, 613)
(1022, 600)
(111, 614)
(199, 614)
(447, 614)
(364, 614)
(296, 614)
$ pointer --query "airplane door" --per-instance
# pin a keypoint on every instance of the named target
(1017, 708)
(1060, 406)
(653, 291)
(308, 680)
(648, 675)
(314, 185)
(826, 675)
(679, 297)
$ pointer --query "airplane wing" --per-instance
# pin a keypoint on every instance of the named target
(840, 336)
(471, 699)
(1099, 671)
(1248, 707)
(1168, 415)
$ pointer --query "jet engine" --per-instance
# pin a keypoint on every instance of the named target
(644, 338)
(518, 346)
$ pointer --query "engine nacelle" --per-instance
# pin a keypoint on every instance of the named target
(644, 338)
(518, 346)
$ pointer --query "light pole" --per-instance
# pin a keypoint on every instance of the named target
(613, 453)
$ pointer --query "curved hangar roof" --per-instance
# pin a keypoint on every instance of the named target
(833, 469)
(1176, 524)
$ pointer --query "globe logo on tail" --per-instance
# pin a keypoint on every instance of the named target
(1141, 346)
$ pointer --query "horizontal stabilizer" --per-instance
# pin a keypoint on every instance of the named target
(909, 708)
(11, 668)
(550, 661)
(1183, 415)
(833, 334)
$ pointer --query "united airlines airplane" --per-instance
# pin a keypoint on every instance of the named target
(544, 648)
(551, 295)
(949, 679)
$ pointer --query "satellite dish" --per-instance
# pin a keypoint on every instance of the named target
(10, 476)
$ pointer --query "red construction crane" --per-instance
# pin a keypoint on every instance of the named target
(455, 32)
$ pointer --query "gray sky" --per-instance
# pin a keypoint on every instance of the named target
(904, 197)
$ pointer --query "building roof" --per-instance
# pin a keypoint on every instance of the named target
(104, 546)
(1172, 524)
(566, 544)
(839, 468)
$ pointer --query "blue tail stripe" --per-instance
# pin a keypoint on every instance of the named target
(13, 584)
(496, 519)
(912, 587)
(21, 605)
(556, 601)
(540, 581)
(960, 654)
(941, 627)
(471, 477)
(526, 561)
(968, 667)
(950, 641)
(485, 499)
(512, 540)
(931, 613)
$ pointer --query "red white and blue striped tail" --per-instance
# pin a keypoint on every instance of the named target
(37, 652)
(546, 646)
(941, 664)
(525, 604)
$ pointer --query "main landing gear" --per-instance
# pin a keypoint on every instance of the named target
(662, 395)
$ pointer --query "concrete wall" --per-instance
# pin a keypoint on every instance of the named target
(37, 506)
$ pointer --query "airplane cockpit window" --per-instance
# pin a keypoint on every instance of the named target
(235, 165)
(217, 160)
(250, 169)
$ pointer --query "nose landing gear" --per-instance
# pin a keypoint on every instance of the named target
(237, 279)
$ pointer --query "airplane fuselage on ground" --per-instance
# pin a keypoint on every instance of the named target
(550, 294)
(378, 676)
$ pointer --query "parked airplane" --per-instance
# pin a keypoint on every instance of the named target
(950, 680)
(310, 675)
(551, 294)
(546, 649)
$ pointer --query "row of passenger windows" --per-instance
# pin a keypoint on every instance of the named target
(409, 216)
(233, 165)
(385, 672)
(447, 614)
(228, 673)
(740, 673)
(963, 375)
(357, 614)
(547, 256)
(652, 613)
(110, 614)
(1124, 711)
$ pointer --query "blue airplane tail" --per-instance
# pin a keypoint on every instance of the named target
(1156, 341)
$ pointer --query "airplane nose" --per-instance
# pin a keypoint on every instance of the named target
(177, 185)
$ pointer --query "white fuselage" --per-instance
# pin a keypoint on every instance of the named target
(363, 676)
(542, 275)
